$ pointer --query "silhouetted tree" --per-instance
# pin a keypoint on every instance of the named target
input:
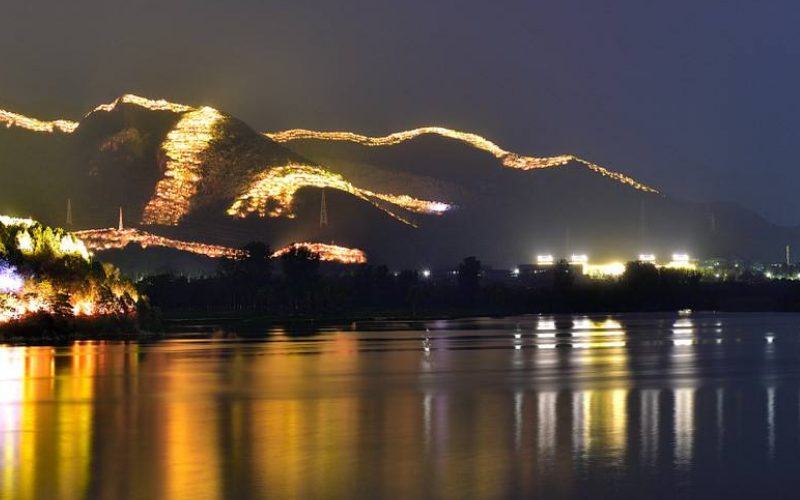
(469, 281)
(563, 278)
(247, 280)
(301, 272)
(640, 276)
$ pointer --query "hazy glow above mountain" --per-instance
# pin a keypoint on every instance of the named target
(273, 193)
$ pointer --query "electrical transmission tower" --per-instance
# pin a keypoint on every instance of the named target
(323, 211)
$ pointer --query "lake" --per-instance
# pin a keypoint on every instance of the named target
(620, 406)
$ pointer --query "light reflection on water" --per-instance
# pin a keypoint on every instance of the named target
(560, 407)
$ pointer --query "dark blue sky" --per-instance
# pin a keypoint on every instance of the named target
(699, 98)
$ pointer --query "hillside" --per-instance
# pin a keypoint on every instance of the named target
(424, 196)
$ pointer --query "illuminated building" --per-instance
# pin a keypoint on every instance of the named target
(647, 257)
(681, 261)
(544, 260)
(328, 253)
(602, 271)
(579, 259)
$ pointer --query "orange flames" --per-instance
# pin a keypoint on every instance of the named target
(328, 253)
(108, 239)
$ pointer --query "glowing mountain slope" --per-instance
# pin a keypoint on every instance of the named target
(114, 239)
(99, 240)
(268, 187)
(507, 158)
(328, 253)
(184, 148)
(273, 193)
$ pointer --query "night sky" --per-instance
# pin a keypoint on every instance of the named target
(698, 98)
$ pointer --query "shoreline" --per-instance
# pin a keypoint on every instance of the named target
(224, 323)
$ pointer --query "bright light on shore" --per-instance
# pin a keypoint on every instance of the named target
(647, 257)
(578, 259)
(544, 259)
(611, 270)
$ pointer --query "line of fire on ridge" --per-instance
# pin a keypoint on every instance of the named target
(99, 240)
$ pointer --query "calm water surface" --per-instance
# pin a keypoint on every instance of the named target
(640, 406)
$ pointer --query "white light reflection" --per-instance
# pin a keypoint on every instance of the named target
(581, 422)
(649, 417)
(720, 420)
(518, 399)
(427, 416)
(684, 425)
(771, 421)
(546, 403)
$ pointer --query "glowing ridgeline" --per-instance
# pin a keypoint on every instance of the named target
(15, 120)
(11, 119)
(508, 159)
(144, 102)
(328, 253)
(112, 239)
(273, 193)
(184, 148)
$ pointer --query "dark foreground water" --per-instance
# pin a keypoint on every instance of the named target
(644, 406)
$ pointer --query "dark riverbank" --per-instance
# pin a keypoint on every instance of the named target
(49, 328)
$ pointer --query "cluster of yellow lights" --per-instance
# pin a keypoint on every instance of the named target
(184, 148)
(25, 295)
(109, 239)
(328, 253)
(617, 269)
(16, 221)
(16, 306)
(273, 193)
(508, 159)
(681, 261)
(67, 245)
